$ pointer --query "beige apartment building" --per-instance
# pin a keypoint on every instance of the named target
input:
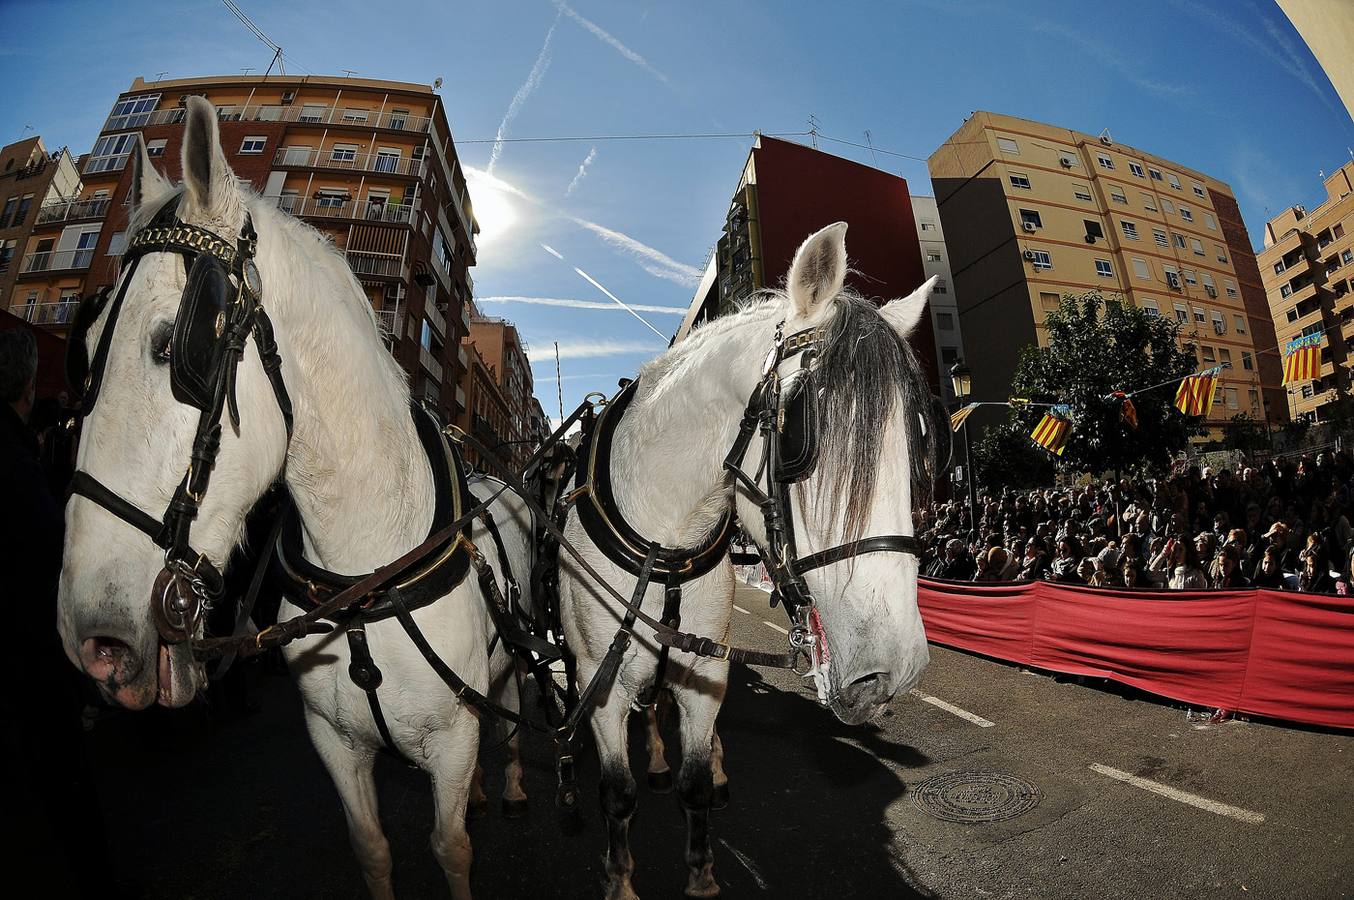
(32, 181)
(944, 309)
(370, 163)
(1308, 269)
(1032, 212)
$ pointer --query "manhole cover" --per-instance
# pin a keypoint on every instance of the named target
(975, 796)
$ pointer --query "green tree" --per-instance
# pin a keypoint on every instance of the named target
(1098, 346)
(1006, 457)
(1243, 433)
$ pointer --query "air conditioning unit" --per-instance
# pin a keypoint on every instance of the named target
(1029, 226)
(1090, 238)
(1173, 280)
(1219, 328)
(1029, 255)
(288, 97)
(1210, 290)
(1064, 162)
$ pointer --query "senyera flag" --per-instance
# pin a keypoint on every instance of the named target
(1128, 413)
(1195, 395)
(1302, 359)
(1053, 429)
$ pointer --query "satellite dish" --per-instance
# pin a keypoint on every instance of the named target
(437, 82)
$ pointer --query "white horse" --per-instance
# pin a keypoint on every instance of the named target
(361, 482)
(670, 486)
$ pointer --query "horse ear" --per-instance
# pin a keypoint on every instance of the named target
(819, 270)
(904, 313)
(207, 179)
(148, 185)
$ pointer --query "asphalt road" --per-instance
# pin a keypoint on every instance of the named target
(1133, 800)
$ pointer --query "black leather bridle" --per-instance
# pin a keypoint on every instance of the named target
(220, 308)
(787, 417)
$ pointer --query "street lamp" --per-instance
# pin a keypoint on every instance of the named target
(961, 379)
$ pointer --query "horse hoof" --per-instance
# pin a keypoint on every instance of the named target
(476, 809)
(719, 796)
(660, 782)
(514, 809)
(702, 883)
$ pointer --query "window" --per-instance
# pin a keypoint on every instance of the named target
(355, 115)
(1231, 397)
(1105, 161)
(928, 225)
(1041, 259)
(5, 216)
(1148, 203)
(387, 159)
(1031, 217)
(1103, 268)
(1093, 229)
(1197, 246)
(932, 256)
(1255, 400)
(1190, 278)
(1338, 231)
(1117, 195)
(110, 153)
(1279, 267)
(156, 147)
(1167, 205)
(331, 199)
(1173, 181)
(1247, 361)
(1048, 300)
(343, 153)
(1225, 356)
(1347, 257)
(1209, 222)
(1020, 181)
(117, 243)
(1179, 240)
(949, 355)
(313, 112)
(1222, 254)
(1209, 356)
(1160, 237)
(1154, 173)
(1008, 146)
(6, 254)
(941, 287)
(1285, 290)
(945, 321)
(253, 144)
(1231, 290)
(1185, 213)
(1141, 269)
(1081, 192)
(1219, 323)
(1198, 188)
(399, 118)
(1130, 230)
(1150, 307)
(1136, 169)
(1181, 313)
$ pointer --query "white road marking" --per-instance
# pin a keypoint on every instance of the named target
(747, 864)
(746, 612)
(952, 709)
(775, 626)
(1213, 806)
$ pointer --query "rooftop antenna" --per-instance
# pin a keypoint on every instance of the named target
(1105, 137)
(27, 128)
(348, 73)
(437, 83)
(813, 131)
(159, 75)
(246, 70)
(559, 385)
(869, 142)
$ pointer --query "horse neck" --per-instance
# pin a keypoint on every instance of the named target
(668, 453)
(355, 467)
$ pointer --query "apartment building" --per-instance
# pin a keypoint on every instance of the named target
(786, 192)
(370, 163)
(1032, 212)
(488, 418)
(1308, 271)
(32, 181)
(504, 355)
(944, 309)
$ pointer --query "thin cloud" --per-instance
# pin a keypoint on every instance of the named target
(588, 349)
(582, 171)
(526, 90)
(606, 38)
(1098, 49)
(660, 264)
(551, 379)
(571, 303)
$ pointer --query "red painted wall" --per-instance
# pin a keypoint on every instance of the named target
(800, 190)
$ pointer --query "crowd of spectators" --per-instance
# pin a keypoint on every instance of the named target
(1281, 524)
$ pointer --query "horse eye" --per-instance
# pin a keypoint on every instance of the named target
(159, 342)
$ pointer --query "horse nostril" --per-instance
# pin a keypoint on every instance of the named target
(866, 691)
(108, 659)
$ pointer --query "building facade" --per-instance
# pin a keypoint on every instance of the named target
(785, 193)
(32, 183)
(504, 355)
(1328, 29)
(1308, 271)
(1032, 212)
(489, 416)
(369, 163)
(944, 307)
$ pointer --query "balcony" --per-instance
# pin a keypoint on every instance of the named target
(436, 319)
(273, 113)
(326, 208)
(374, 264)
(391, 322)
(47, 313)
(434, 367)
(96, 164)
(370, 162)
(72, 209)
(52, 260)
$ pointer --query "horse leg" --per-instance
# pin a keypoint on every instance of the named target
(514, 798)
(478, 805)
(695, 780)
(450, 762)
(720, 796)
(350, 768)
(618, 792)
(660, 776)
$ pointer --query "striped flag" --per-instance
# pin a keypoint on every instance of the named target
(1053, 430)
(1302, 359)
(1128, 412)
(1195, 395)
(957, 418)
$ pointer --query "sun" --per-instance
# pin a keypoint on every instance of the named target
(495, 210)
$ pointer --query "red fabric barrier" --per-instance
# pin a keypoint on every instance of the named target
(1271, 653)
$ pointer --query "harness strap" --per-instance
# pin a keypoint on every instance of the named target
(365, 674)
(883, 543)
(255, 585)
(86, 485)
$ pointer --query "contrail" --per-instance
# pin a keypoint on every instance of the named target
(528, 87)
(552, 251)
(581, 304)
(592, 281)
(586, 349)
(582, 171)
(666, 267)
(606, 38)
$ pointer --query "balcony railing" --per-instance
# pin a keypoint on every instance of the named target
(433, 366)
(369, 162)
(49, 260)
(72, 209)
(319, 207)
(60, 313)
(328, 115)
(436, 318)
(391, 321)
(115, 163)
(373, 264)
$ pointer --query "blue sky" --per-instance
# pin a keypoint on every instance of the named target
(1226, 87)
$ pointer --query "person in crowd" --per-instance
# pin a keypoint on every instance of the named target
(1035, 563)
(1268, 574)
(956, 565)
(1183, 566)
(1277, 536)
(1227, 572)
(1064, 567)
(994, 566)
(1130, 571)
(1314, 577)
